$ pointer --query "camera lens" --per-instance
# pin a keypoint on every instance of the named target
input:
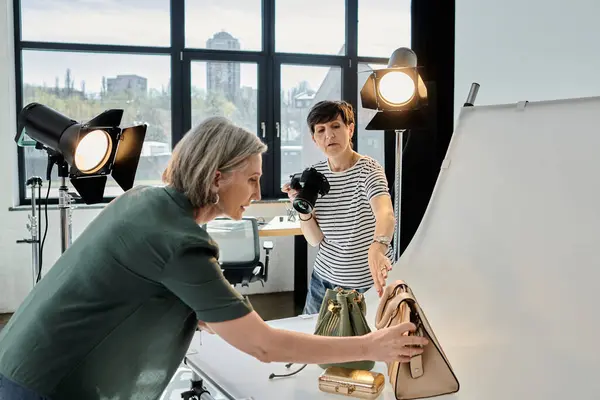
(302, 206)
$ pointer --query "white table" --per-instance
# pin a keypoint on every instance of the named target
(489, 364)
(240, 376)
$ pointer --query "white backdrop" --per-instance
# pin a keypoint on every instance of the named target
(505, 264)
(506, 261)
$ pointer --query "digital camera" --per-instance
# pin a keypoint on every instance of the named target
(309, 184)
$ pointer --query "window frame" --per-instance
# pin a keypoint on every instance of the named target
(181, 57)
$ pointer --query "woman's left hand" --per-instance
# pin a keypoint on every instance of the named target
(379, 264)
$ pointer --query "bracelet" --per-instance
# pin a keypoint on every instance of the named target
(304, 220)
(383, 240)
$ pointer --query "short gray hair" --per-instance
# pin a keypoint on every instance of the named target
(216, 144)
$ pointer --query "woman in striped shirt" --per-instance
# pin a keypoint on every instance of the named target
(352, 225)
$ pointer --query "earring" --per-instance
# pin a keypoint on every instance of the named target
(215, 198)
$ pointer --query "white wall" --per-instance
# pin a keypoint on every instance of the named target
(527, 50)
(15, 259)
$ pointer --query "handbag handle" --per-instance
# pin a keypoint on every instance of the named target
(389, 307)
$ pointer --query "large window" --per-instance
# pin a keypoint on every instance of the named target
(170, 64)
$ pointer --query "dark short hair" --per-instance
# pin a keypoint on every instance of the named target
(327, 111)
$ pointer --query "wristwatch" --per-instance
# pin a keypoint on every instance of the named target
(385, 240)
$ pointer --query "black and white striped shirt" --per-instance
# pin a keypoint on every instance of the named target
(347, 221)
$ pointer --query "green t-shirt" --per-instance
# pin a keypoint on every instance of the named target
(113, 318)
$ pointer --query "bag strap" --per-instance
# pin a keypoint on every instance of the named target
(390, 303)
(274, 375)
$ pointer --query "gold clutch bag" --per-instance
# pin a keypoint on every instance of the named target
(352, 382)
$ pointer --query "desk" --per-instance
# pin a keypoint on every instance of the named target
(279, 227)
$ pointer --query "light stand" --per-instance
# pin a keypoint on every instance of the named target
(64, 206)
(397, 193)
(64, 198)
(34, 226)
(391, 120)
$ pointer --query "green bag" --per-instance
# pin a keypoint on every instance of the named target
(342, 313)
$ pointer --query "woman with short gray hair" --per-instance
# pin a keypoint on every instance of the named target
(114, 316)
(220, 148)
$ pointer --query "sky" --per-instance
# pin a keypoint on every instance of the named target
(383, 26)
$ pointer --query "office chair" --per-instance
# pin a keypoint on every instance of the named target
(239, 250)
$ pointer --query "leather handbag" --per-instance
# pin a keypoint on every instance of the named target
(342, 313)
(428, 374)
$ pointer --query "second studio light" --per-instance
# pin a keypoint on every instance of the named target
(396, 92)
